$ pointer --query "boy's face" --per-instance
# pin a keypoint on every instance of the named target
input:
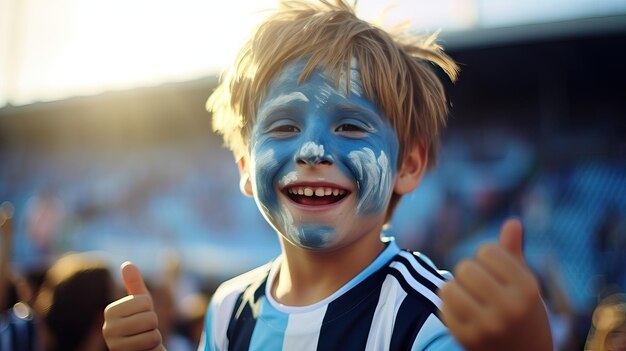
(322, 164)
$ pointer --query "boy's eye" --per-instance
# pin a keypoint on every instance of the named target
(351, 130)
(285, 129)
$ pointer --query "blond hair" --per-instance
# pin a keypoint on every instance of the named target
(396, 71)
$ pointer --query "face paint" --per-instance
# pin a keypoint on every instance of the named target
(312, 236)
(285, 99)
(355, 79)
(288, 179)
(311, 152)
(375, 179)
(264, 189)
(314, 139)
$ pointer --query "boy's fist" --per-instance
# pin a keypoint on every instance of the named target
(494, 301)
(130, 323)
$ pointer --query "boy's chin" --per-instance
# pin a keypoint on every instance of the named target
(316, 237)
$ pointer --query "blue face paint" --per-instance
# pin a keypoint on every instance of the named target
(322, 161)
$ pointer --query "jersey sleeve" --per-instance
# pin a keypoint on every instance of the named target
(434, 336)
(443, 343)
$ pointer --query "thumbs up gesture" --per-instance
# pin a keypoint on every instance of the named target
(130, 323)
(494, 302)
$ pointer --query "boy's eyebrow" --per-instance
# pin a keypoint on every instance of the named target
(284, 99)
(353, 108)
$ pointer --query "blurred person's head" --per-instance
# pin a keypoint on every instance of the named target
(171, 321)
(192, 314)
(164, 306)
(75, 291)
(608, 332)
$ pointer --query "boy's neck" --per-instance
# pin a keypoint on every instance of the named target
(306, 277)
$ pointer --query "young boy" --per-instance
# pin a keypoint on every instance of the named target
(331, 121)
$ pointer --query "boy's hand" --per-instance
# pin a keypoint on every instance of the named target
(130, 323)
(494, 301)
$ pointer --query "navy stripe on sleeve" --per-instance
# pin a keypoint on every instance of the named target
(428, 267)
(420, 278)
(411, 291)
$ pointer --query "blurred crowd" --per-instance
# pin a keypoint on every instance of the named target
(61, 309)
(80, 213)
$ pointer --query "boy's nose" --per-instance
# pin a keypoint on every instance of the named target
(312, 154)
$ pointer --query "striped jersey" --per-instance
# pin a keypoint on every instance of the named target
(391, 305)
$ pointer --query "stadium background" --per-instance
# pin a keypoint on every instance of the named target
(537, 131)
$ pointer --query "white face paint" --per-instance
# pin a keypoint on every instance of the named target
(325, 91)
(288, 179)
(282, 100)
(355, 79)
(375, 174)
(312, 152)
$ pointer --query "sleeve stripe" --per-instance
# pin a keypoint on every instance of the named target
(424, 269)
(416, 275)
(416, 286)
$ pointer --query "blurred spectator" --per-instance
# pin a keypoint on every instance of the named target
(449, 225)
(17, 326)
(167, 292)
(192, 316)
(70, 302)
(611, 249)
(608, 332)
(45, 217)
(165, 308)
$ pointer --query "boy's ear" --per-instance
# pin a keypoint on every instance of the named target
(412, 169)
(244, 176)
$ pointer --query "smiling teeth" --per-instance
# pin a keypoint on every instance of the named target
(307, 191)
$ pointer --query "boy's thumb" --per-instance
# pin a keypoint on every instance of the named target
(512, 238)
(133, 281)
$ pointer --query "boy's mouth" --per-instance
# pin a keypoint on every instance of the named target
(315, 195)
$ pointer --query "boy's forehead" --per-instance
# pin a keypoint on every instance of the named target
(289, 76)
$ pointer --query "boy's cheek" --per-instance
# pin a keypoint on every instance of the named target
(374, 175)
(271, 167)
